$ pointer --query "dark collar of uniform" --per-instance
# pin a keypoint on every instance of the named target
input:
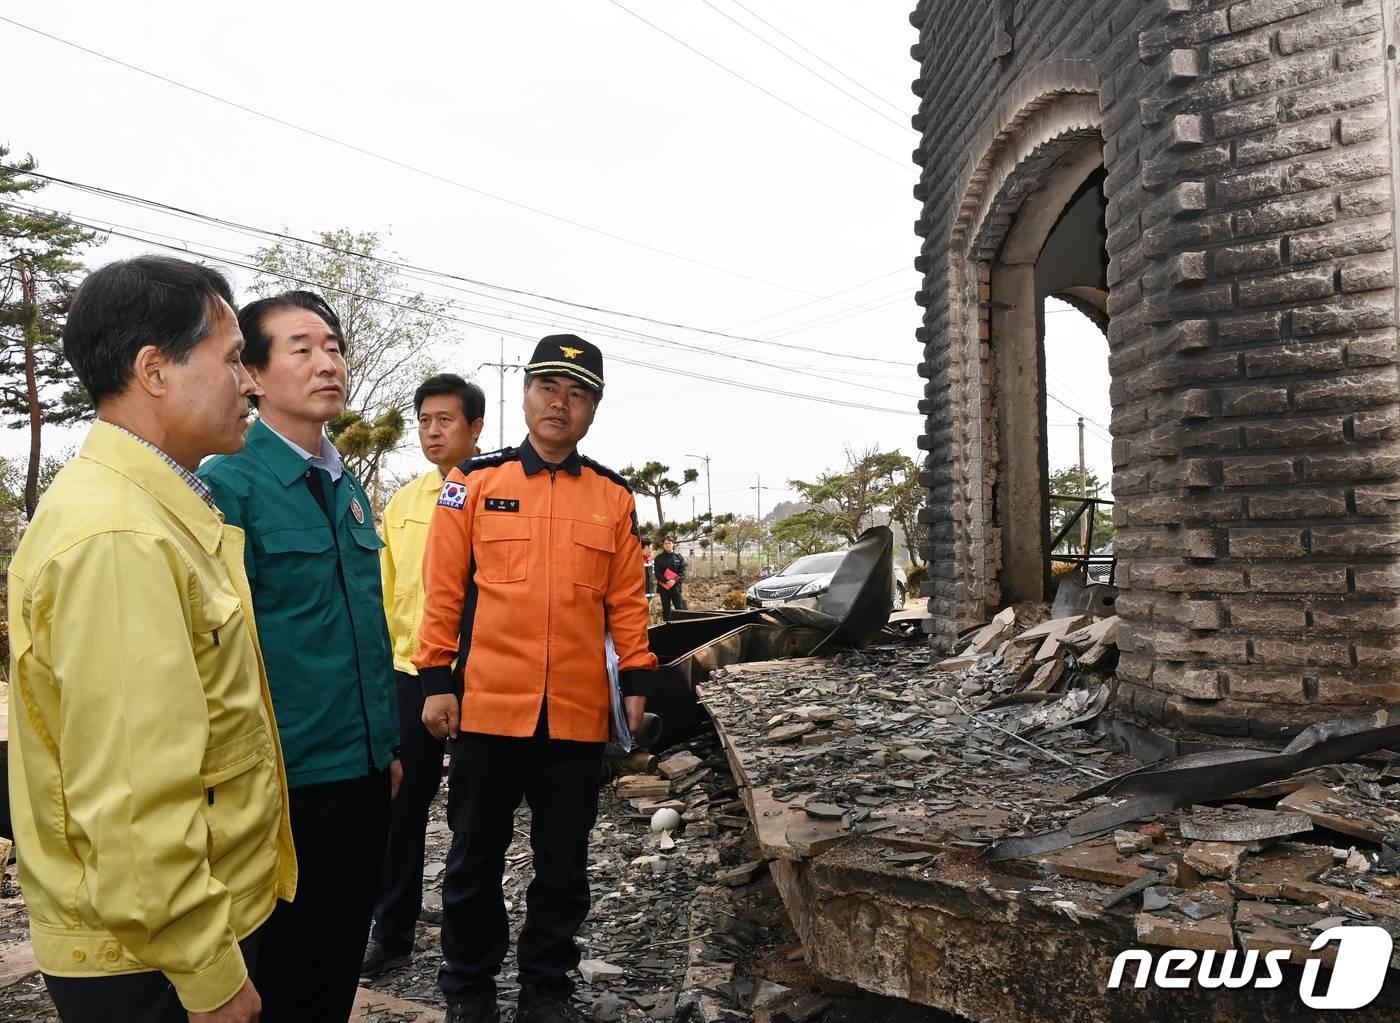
(532, 463)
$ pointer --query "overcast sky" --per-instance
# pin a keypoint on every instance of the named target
(693, 197)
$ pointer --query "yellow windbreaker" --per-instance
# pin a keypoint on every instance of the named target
(146, 779)
(406, 519)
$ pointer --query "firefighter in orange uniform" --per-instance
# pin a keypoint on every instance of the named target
(533, 558)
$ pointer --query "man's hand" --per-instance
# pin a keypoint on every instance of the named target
(635, 706)
(440, 716)
(395, 778)
(244, 1007)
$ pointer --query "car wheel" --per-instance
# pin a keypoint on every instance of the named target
(898, 597)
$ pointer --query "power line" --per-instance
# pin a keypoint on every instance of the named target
(751, 13)
(749, 81)
(403, 165)
(189, 250)
(411, 268)
(904, 125)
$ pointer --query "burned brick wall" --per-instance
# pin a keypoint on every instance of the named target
(1247, 154)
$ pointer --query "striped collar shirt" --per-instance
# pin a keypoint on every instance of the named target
(196, 484)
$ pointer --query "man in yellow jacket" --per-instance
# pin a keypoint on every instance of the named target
(146, 776)
(450, 418)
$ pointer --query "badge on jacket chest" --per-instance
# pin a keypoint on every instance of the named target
(453, 495)
(357, 511)
(502, 504)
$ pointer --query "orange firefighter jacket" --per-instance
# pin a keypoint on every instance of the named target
(528, 567)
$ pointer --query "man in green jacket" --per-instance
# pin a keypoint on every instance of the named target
(313, 562)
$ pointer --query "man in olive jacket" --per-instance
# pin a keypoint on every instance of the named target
(146, 780)
(313, 560)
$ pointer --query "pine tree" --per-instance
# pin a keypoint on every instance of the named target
(38, 271)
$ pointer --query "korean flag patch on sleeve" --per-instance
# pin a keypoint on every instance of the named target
(453, 495)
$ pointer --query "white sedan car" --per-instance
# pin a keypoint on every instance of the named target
(807, 578)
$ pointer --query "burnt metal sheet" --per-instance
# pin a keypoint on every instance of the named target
(1201, 777)
(689, 652)
(855, 610)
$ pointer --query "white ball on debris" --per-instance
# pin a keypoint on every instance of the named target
(665, 819)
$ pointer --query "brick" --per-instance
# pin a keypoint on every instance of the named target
(1163, 170)
(1283, 215)
(1374, 464)
(1279, 74)
(1189, 578)
(1366, 201)
(1377, 387)
(1187, 197)
(1188, 472)
(1239, 52)
(1256, 472)
(1290, 288)
(1182, 268)
(1264, 686)
(1339, 168)
(1355, 616)
(1368, 275)
(1347, 239)
(1294, 358)
(1253, 401)
(1377, 501)
(1345, 316)
(1357, 128)
(1348, 690)
(1199, 684)
(1381, 424)
(1298, 578)
(1183, 66)
(1269, 616)
(1377, 579)
(1285, 144)
(1247, 187)
(1254, 327)
(1266, 543)
(1252, 256)
(1186, 131)
(1245, 118)
(1333, 95)
(1300, 653)
(1310, 504)
(1200, 543)
(1296, 431)
(1320, 32)
(1356, 541)
(1171, 510)
(1180, 234)
(1179, 646)
(1256, 13)
(1209, 298)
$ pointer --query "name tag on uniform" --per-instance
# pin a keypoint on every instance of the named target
(453, 495)
(502, 504)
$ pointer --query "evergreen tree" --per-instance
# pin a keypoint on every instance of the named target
(38, 272)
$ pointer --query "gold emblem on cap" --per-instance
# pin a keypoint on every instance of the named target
(571, 353)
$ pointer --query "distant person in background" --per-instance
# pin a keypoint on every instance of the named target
(450, 419)
(650, 568)
(669, 567)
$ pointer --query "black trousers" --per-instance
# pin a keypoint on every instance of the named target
(488, 777)
(401, 883)
(129, 997)
(671, 600)
(309, 962)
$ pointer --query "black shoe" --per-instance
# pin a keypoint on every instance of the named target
(477, 1010)
(380, 959)
(544, 1007)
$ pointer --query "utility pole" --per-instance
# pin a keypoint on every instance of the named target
(709, 507)
(1083, 492)
(501, 368)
